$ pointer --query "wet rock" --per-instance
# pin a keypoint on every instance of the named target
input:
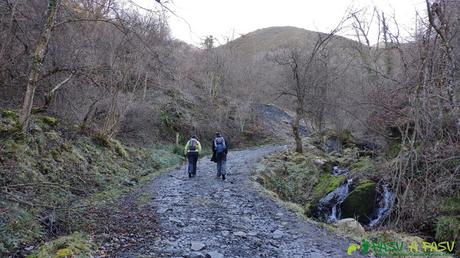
(360, 202)
(29, 248)
(350, 226)
(197, 246)
(319, 162)
(336, 170)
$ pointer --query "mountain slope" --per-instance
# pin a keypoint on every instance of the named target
(273, 38)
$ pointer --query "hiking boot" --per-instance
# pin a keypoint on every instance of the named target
(223, 177)
(189, 175)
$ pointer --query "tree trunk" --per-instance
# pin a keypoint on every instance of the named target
(296, 132)
(37, 62)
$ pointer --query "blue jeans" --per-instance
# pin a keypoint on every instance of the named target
(221, 167)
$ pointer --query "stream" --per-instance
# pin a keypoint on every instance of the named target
(329, 207)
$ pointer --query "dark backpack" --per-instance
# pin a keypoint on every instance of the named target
(192, 145)
(220, 145)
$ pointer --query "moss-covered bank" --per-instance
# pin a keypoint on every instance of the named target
(306, 178)
(53, 175)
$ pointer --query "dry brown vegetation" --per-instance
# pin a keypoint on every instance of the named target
(103, 66)
(100, 65)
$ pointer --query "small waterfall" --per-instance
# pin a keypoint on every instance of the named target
(383, 207)
(328, 208)
(336, 170)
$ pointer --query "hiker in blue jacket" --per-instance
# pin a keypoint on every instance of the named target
(219, 154)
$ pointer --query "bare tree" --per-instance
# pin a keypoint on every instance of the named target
(416, 103)
(304, 74)
(37, 62)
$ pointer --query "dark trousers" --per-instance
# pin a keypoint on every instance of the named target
(192, 160)
(221, 160)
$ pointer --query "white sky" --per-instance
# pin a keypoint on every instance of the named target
(231, 18)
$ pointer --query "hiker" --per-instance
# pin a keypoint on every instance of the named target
(192, 151)
(219, 154)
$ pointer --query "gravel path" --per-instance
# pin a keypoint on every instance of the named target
(207, 216)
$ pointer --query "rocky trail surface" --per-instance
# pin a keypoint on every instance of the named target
(207, 217)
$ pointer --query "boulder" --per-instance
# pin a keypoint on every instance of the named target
(360, 202)
(277, 234)
(197, 246)
(350, 225)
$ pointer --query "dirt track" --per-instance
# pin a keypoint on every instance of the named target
(229, 218)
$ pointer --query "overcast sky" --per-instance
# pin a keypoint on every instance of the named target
(232, 18)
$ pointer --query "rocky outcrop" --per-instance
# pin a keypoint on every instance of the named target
(360, 202)
(350, 225)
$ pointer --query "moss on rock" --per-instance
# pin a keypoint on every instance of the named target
(326, 184)
(360, 202)
(363, 165)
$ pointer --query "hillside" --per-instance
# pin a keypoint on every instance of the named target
(264, 40)
(252, 56)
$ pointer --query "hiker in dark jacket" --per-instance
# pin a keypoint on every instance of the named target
(192, 150)
(219, 154)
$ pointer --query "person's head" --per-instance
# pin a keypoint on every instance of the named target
(194, 137)
(218, 134)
